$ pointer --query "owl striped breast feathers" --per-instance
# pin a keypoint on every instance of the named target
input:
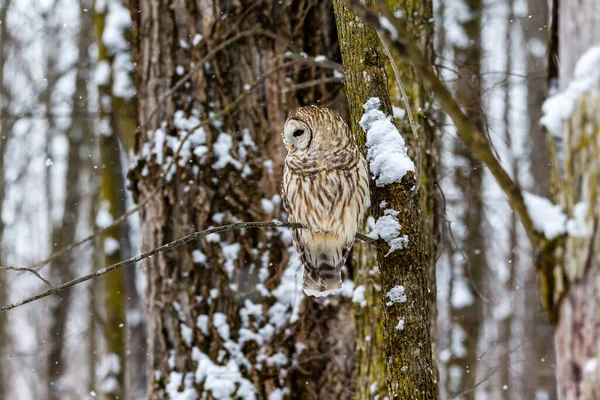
(326, 187)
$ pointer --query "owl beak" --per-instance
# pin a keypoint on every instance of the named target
(289, 148)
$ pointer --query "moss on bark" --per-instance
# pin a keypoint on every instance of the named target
(409, 362)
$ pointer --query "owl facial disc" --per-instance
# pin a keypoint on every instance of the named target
(296, 135)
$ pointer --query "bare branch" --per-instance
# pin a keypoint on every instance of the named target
(37, 266)
(394, 33)
(18, 269)
(315, 82)
(160, 249)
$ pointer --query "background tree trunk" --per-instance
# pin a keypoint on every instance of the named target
(539, 351)
(578, 295)
(467, 316)
(231, 303)
(117, 123)
(63, 231)
(505, 325)
(577, 333)
(5, 129)
(572, 280)
(409, 376)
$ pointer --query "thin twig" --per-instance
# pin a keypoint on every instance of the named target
(34, 272)
(194, 70)
(160, 249)
(316, 82)
(37, 266)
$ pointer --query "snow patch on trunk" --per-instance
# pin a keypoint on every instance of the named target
(387, 154)
(559, 107)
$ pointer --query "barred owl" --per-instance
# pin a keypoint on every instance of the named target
(325, 186)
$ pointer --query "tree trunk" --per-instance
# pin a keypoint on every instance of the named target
(539, 353)
(505, 323)
(467, 316)
(63, 232)
(419, 16)
(5, 128)
(577, 292)
(232, 303)
(410, 368)
(370, 374)
(117, 121)
(578, 30)
(577, 332)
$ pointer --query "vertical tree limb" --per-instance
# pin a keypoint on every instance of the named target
(5, 130)
(117, 123)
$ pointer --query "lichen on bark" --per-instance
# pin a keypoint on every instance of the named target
(409, 362)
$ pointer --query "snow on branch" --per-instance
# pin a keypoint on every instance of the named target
(386, 150)
(560, 106)
(171, 245)
(547, 217)
(550, 220)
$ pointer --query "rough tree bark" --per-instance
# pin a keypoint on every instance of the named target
(578, 294)
(410, 367)
(419, 16)
(567, 264)
(230, 304)
(576, 290)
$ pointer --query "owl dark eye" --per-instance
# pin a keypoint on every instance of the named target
(298, 132)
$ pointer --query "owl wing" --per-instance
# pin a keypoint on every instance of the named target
(332, 202)
(297, 237)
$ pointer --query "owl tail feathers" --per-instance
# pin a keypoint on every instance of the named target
(323, 280)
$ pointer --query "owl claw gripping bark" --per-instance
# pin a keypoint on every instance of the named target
(325, 186)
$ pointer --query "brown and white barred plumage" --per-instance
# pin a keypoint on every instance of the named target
(325, 186)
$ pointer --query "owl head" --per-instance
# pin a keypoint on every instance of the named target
(314, 128)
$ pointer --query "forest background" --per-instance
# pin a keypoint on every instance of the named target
(169, 113)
